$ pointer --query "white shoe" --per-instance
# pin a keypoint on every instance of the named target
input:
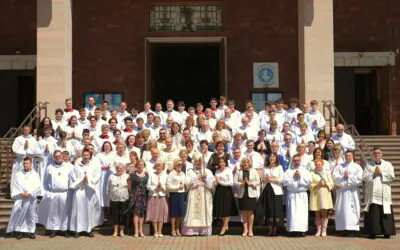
(156, 235)
(161, 235)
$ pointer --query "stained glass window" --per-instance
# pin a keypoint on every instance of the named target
(186, 18)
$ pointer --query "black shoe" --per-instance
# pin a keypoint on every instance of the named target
(32, 236)
(76, 235)
(19, 236)
(66, 234)
(372, 236)
(90, 234)
(53, 234)
(386, 236)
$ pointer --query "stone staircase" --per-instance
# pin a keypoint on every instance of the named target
(391, 152)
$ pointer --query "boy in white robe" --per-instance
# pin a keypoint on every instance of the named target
(55, 207)
(86, 208)
(348, 177)
(24, 145)
(25, 189)
(47, 146)
(297, 180)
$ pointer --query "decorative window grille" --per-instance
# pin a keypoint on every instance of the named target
(186, 18)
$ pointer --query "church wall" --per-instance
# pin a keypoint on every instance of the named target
(18, 27)
(372, 26)
(108, 45)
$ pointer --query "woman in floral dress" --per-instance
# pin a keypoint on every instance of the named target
(137, 185)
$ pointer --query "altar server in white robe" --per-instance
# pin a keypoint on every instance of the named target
(86, 208)
(24, 145)
(25, 189)
(344, 139)
(348, 177)
(378, 176)
(46, 145)
(54, 209)
(297, 180)
(106, 158)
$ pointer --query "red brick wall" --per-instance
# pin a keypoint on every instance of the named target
(371, 25)
(18, 27)
(108, 45)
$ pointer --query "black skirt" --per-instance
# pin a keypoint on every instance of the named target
(273, 207)
(246, 203)
(224, 203)
(376, 222)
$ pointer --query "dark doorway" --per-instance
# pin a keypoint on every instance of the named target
(186, 72)
(365, 86)
(26, 96)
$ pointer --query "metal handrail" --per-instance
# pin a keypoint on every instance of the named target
(334, 114)
(35, 113)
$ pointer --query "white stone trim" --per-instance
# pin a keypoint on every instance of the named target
(17, 62)
(361, 59)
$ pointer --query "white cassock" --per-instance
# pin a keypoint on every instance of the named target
(55, 207)
(23, 216)
(47, 157)
(86, 212)
(105, 160)
(347, 207)
(297, 199)
(18, 148)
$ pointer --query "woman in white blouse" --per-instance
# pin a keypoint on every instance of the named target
(271, 196)
(224, 204)
(157, 207)
(117, 191)
(247, 182)
(176, 189)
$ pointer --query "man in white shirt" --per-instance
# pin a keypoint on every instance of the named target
(91, 106)
(206, 155)
(147, 110)
(182, 113)
(204, 133)
(104, 110)
(222, 107)
(315, 119)
(69, 111)
(287, 149)
(83, 120)
(344, 139)
(171, 112)
(155, 156)
(234, 161)
(280, 113)
(128, 130)
(248, 132)
(230, 122)
(291, 113)
(235, 113)
(123, 113)
(160, 113)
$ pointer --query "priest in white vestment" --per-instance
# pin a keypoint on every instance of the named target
(55, 207)
(25, 189)
(348, 177)
(24, 145)
(378, 176)
(199, 211)
(86, 208)
(297, 180)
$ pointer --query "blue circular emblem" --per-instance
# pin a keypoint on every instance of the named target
(265, 75)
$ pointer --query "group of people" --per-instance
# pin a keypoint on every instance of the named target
(192, 167)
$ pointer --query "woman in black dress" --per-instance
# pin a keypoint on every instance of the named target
(137, 185)
(224, 204)
(247, 182)
(271, 196)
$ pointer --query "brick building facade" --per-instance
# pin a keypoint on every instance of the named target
(107, 50)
